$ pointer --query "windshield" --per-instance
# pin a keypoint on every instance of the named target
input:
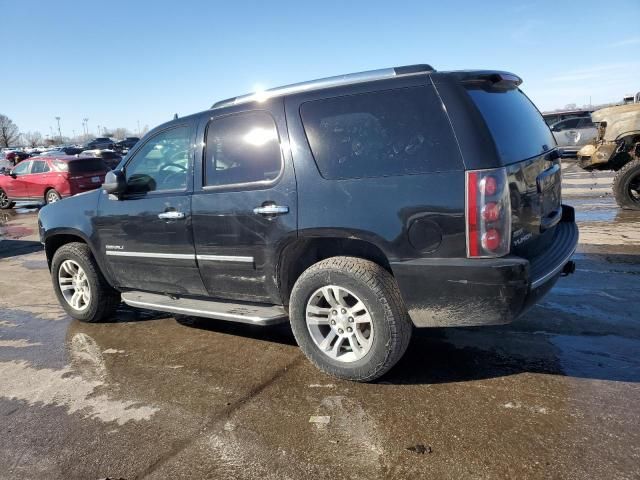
(517, 127)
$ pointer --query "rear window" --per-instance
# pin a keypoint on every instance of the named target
(378, 134)
(87, 165)
(518, 129)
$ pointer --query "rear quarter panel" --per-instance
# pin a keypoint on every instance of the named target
(378, 210)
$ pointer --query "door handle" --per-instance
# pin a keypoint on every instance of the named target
(271, 210)
(171, 215)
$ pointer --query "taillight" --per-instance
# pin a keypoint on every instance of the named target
(488, 213)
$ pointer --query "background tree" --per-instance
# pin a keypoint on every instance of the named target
(32, 139)
(120, 133)
(9, 132)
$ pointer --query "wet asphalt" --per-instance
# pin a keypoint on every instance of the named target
(554, 395)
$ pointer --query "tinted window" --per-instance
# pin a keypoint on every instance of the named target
(161, 163)
(586, 123)
(567, 124)
(39, 166)
(86, 165)
(393, 132)
(517, 127)
(242, 148)
(22, 168)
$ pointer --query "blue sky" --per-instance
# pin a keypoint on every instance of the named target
(119, 62)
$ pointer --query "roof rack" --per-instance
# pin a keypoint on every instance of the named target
(324, 83)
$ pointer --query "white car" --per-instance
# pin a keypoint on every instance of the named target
(572, 134)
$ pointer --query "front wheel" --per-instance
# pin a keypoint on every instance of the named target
(5, 203)
(626, 186)
(52, 196)
(80, 287)
(349, 319)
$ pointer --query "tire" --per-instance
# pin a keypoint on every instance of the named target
(102, 299)
(389, 329)
(5, 203)
(626, 186)
(52, 196)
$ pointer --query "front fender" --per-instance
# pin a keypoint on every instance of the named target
(71, 219)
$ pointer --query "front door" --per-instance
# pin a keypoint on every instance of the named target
(18, 187)
(146, 234)
(244, 203)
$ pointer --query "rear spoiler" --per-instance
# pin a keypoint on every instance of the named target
(493, 79)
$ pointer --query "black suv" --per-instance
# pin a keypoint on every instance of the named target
(354, 207)
(99, 143)
(125, 145)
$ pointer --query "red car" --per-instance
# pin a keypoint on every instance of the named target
(50, 179)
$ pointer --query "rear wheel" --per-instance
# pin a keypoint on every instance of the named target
(626, 186)
(5, 203)
(52, 196)
(80, 287)
(349, 319)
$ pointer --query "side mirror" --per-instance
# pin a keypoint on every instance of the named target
(114, 182)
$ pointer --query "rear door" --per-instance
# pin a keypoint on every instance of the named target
(37, 179)
(566, 132)
(587, 131)
(244, 203)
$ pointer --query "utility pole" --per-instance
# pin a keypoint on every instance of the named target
(138, 128)
(59, 131)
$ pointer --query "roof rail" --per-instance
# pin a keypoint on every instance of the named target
(347, 79)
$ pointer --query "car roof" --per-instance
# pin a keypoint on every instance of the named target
(64, 158)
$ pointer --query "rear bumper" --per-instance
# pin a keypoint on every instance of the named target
(468, 292)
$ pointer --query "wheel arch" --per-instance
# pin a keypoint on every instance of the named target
(47, 190)
(303, 252)
(56, 239)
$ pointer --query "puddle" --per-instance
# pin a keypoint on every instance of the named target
(607, 357)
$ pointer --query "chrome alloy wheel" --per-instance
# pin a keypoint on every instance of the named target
(52, 196)
(4, 200)
(74, 285)
(339, 323)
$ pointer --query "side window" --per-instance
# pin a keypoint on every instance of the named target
(242, 148)
(39, 166)
(586, 123)
(22, 168)
(571, 123)
(161, 164)
(392, 132)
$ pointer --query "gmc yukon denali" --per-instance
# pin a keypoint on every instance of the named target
(354, 207)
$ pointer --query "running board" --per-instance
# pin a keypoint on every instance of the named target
(255, 314)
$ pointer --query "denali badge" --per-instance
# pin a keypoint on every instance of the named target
(114, 247)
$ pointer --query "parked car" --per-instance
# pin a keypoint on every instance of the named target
(60, 152)
(100, 143)
(70, 150)
(127, 144)
(109, 157)
(5, 165)
(617, 148)
(16, 156)
(558, 115)
(574, 133)
(49, 179)
(419, 199)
